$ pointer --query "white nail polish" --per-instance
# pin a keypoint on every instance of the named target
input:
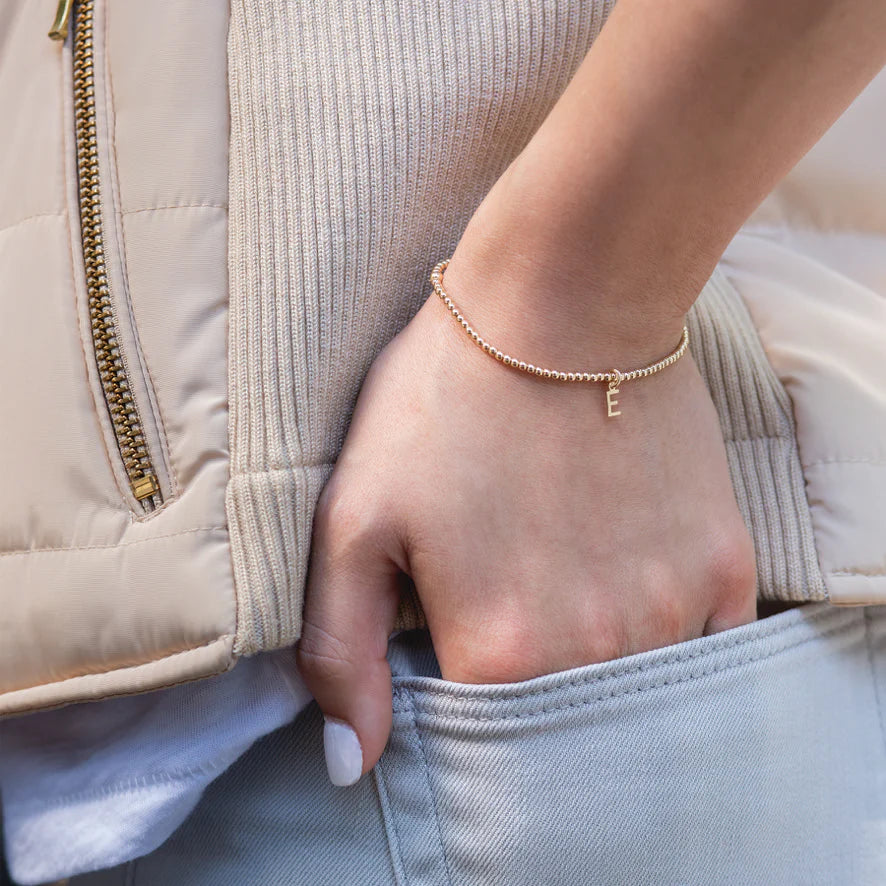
(344, 756)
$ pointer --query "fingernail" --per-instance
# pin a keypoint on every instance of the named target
(344, 756)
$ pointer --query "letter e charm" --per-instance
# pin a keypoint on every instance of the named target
(610, 393)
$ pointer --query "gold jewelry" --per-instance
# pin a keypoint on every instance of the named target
(613, 378)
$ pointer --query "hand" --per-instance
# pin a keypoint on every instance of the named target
(540, 534)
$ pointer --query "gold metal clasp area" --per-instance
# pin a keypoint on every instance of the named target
(59, 29)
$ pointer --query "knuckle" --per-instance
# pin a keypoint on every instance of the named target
(505, 653)
(491, 670)
(670, 614)
(322, 656)
(504, 660)
(663, 590)
(333, 507)
(732, 568)
(512, 652)
(660, 578)
(342, 521)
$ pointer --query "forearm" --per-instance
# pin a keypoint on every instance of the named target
(679, 121)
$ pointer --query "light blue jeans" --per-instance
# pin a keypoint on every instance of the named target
(754, 756)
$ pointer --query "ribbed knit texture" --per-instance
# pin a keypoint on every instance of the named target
(758, 427)
(363, 136)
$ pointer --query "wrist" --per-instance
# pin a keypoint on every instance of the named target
(544, 307)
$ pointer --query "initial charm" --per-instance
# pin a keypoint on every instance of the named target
(610, 393)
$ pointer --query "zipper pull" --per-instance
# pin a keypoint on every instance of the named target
(59, 29)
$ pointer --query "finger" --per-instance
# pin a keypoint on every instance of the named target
(732, 580)
(351, 604)
(718, 623)
(739, 612)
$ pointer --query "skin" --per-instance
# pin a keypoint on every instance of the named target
(541, 535)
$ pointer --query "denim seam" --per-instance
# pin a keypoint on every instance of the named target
(877, 688)
(673, 658)
(390, 822)
(608, 695)
(427, 771)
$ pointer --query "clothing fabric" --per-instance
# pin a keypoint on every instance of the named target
(101, 594)
(362, 136)
(90, 786)
(327, 155)
(757, 755)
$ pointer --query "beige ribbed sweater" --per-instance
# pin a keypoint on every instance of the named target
(363, 136)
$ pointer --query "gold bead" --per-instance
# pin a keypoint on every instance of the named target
(436, 279)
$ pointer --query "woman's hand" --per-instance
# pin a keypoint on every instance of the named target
(540, 534)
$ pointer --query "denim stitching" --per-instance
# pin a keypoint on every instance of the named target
(868, 633)
(613, 694)
(427, 770)
(393, 835)
(672, 658)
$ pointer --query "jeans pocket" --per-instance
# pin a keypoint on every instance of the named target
(754, 755)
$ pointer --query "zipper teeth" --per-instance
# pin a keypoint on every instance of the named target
(111, 368)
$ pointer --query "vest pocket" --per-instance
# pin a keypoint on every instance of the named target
(124, 396)
(679, 765)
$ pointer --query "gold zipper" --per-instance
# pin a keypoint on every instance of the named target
(108, 356)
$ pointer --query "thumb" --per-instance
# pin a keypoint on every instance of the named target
(350, 608)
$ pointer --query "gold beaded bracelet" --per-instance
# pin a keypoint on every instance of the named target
(613, 378)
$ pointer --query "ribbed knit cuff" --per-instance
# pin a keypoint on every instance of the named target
(271, 515)
(758, 428)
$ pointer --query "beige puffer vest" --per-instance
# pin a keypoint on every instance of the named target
(211, 224)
